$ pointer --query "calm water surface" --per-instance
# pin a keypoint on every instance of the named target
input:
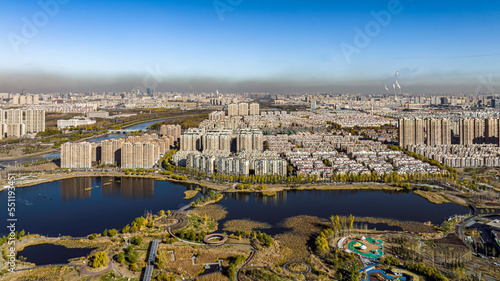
(82, 206)
(52, 254)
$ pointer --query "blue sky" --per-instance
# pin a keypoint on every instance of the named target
(437, 46)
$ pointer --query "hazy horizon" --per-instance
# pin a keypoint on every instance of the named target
(250, 46)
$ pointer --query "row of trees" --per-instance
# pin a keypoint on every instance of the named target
(17, 235)
(191, 235)
(138, 171)
(110, 233)
(429, 272)
(424, 159)
(138, 224)
(337, 224)
(392, 177)
(257, 236)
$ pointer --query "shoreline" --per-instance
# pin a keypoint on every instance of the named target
(219, 187)
(270, 191)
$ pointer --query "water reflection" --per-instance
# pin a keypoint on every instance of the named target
(126, 188)
(76, 188)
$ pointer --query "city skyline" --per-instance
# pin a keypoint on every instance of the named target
(242, 46)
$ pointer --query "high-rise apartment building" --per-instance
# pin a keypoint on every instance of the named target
(434, 132)
(491, 130)
(232, 110)
(35, 120)
(437, 131)
(192, 139)
(249, 139)
(478, 131)
(466, 131)
(171, 130)
(18, 122)
(111, 151)
(446, 131)
(254, 108)
(76, 155)
(419, 131)
(406, 132)
(243, 109)
(217, 140)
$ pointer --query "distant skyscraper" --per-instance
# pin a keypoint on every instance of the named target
(495, 103)
(313, 105)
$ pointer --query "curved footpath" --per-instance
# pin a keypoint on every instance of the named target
(183, 211)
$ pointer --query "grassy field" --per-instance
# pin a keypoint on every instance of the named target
(189, 194)
(213, 212)
(432, 197)
(244, 225)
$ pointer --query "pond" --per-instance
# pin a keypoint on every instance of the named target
(44, 254)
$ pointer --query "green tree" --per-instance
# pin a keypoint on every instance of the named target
(98, 260)
(136, 240)
(120, 257)
(231, 271)
(112, 232)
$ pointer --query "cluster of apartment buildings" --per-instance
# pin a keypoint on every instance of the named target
(474, 155)
(478, 140)
(27, 99)
(227, 151)
(439, 131)
(217, 116)
(221, 140)
(248, 162)
(171, 130)
(128, 153)
(243, 109)
(17, 123)
(307, 152)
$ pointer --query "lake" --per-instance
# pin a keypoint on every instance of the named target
(81, 206)
(39, 254)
